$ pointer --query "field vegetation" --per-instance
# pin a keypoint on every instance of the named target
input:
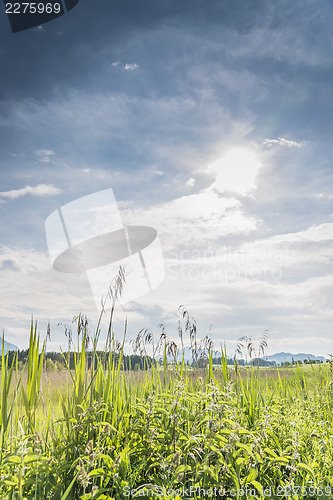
(97, 431)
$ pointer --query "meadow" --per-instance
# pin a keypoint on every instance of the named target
(165, 432)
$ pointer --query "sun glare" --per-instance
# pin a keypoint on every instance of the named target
(236, 171)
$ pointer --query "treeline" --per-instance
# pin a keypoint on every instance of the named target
(299, 362)
(242, 362)
(56, 361)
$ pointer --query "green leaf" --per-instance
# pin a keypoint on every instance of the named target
(210, 471)
(14, 460)
(245, 448)
(183, 468)
(13, 482)
(270, 452)
(257, 485)
(97, 473)
(67, 492)
(253, 474)
(32, 458)
(307, 468)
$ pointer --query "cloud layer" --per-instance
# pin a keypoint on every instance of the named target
(160, 102)
(39, 190)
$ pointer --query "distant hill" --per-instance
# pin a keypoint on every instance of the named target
(283, 357)
(278, 358)
(8, 346)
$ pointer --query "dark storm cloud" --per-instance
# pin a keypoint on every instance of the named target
(39, 62)
(279, 47)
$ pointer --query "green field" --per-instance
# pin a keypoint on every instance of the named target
(166, 432)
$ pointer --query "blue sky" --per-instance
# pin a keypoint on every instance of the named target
(212, 122)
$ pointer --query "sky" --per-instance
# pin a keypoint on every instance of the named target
(211, 121)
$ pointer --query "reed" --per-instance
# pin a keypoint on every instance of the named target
(106, 432)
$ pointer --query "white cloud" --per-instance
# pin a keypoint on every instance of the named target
(195, 221)
(315, 233)
(37, 289)
(126, 66)
(171, 128)
(131, 67)
(292, 257)
(25, 261)
(190, 182)
(268, 42)
(281, 141)
(39, 190)
(237, 303)
(226, 289)
(44, 155)
(9, 264)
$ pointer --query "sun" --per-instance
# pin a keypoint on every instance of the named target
(236, 171)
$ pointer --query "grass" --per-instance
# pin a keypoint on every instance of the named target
(99, 432)
(106, 433)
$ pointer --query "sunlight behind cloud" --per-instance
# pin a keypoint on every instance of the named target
(236, 171)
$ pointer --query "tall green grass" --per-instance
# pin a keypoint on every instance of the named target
(105, 432)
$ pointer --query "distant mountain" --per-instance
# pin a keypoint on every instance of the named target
(282, 357)
(278, 358)
(8, 346)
